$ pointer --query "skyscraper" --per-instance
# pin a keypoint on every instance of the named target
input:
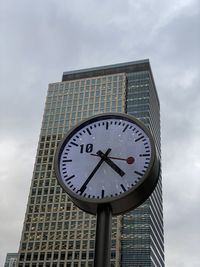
(11, 259)
(55, 232)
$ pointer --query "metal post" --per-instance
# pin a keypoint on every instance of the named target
(103, 237)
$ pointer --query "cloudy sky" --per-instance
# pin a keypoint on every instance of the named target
(41, 39)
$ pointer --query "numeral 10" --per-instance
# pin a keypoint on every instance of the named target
(88, 148)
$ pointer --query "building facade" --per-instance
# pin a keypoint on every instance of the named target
(55, 232)
(11, 260)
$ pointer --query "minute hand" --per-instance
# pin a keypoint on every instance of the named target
(110, 163)
(84, 186)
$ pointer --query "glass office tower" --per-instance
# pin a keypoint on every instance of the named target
(55, 232)
(11, 259)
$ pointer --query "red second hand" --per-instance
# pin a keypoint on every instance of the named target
(129, 160)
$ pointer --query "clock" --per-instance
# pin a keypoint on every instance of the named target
(108, 159)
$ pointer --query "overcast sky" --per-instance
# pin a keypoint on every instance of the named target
(41, 39)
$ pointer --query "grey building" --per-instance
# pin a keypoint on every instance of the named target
(55, 232)
(11, 259)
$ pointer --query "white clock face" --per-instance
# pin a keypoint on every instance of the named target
(104, 157)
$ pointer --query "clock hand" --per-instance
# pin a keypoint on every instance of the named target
(110, 163)
(129, 160)
(84, 186)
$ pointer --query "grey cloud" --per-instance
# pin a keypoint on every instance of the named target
(44, 38)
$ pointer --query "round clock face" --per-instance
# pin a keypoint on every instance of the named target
(103, 159)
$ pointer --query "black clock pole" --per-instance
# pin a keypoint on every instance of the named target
(103, 237)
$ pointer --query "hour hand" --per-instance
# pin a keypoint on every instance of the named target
(110, 163)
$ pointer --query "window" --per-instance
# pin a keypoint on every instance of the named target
(62, 256)
(113, 254)
(76, 255)
(83, 257)
(48, 256)
(92, 244)
(69, 255)
(57, 245)
(64, 245)
(35, 256)
(84, 243)
(28, 257)
(70, 245)
(42, 256)
(55, 256)
(91, 255)
(21, 258)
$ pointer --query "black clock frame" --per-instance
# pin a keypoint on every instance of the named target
(127, 200)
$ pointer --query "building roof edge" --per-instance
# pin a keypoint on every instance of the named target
(107, 69)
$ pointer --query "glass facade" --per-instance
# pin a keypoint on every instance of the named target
(142, 232)
(55, 232)
(11, 259)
